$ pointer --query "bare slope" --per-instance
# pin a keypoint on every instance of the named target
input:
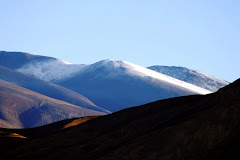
(21, 107)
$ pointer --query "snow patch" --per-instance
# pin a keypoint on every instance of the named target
(51, 70)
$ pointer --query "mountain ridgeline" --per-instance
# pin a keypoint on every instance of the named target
(109, 84)
(191, 76)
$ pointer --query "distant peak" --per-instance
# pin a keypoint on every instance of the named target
(109, 63)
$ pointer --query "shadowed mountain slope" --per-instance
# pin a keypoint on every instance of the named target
(46, 130)
(47, 89)
(12, 138)
(191, 127)
(20, 107)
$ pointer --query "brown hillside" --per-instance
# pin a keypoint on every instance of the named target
(23, 108)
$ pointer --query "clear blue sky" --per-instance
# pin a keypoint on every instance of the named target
(198, 34)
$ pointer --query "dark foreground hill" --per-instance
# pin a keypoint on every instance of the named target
(189, 128)
(12, 138)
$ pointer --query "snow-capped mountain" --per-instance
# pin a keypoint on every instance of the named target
(116, 85)
(191, 76)
(45, 68)
(110, 84)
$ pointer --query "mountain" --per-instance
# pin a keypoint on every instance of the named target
(190, 127)
(191, 76)
(110, 84)
(47, 89)
(23, 108)
(116, 85)
(42, 67)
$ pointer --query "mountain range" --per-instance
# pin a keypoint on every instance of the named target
(190, 127)
(96, 89)
(112, 85)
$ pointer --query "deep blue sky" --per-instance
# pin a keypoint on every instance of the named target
(198, 34)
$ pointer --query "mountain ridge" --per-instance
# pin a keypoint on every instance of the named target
(191, 76)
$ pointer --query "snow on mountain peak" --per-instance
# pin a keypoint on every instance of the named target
(112, 68)
(116, 85)
(108, 63)
(57, 70)
(53, 69)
